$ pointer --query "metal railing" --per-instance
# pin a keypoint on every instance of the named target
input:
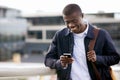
(24, 69)
(12, 70)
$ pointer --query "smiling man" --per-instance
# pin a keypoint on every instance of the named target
(74, 39)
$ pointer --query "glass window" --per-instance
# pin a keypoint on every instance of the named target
(50, 33)
(51, 20)
(31, 34)
(35, 34)
(112, 28)
(55, 20)
(39, 34)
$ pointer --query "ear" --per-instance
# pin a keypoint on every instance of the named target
(82, 15)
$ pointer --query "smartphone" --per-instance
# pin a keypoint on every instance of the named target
(67, 54)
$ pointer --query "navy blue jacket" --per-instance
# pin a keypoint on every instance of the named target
(63, 42)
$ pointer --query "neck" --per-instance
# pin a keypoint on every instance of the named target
(85, 26)
(83, 29)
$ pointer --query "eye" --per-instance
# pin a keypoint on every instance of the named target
(75, 21)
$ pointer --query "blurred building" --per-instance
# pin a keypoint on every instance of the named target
(6, 12)
(12, 32)
(41, 30)
(42, 27)
(110, 22)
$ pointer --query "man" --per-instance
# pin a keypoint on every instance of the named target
(74, 39)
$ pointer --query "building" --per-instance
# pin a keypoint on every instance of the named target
(41, 30)
(6, 12)
(12, 32)
(42, 27)
(110, 22)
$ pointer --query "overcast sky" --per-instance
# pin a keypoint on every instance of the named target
(88, 6)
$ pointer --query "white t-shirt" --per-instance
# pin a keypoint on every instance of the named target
(79, 70)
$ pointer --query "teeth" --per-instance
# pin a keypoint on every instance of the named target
(73, 28)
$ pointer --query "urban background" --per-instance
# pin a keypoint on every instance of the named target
(29, 36)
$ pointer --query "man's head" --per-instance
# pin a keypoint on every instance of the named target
(73, 17)
(71, 8)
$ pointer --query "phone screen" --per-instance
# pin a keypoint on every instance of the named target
(67, 54)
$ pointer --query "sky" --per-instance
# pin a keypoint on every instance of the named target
(88, 6)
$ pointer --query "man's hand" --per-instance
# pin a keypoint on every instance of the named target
(65, 60)
(91, 55)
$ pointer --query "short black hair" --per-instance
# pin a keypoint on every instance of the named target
(71, 8)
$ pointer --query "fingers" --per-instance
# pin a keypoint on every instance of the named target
(65, 60)
(91, 56)
(70, 60)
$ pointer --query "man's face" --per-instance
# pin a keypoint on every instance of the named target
(74, 22)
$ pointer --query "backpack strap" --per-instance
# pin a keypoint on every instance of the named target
(91, 47)
(92, 42)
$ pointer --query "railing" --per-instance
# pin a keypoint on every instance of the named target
(24, 71)
(13, 70)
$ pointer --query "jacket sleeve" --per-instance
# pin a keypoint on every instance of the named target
(109, 54)
(52, 58)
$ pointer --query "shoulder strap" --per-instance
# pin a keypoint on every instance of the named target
(91, 47)
(92, 42)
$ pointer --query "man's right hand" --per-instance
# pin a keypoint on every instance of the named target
(65, 60)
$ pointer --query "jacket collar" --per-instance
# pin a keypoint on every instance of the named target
(67, 32)
(90, 33)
